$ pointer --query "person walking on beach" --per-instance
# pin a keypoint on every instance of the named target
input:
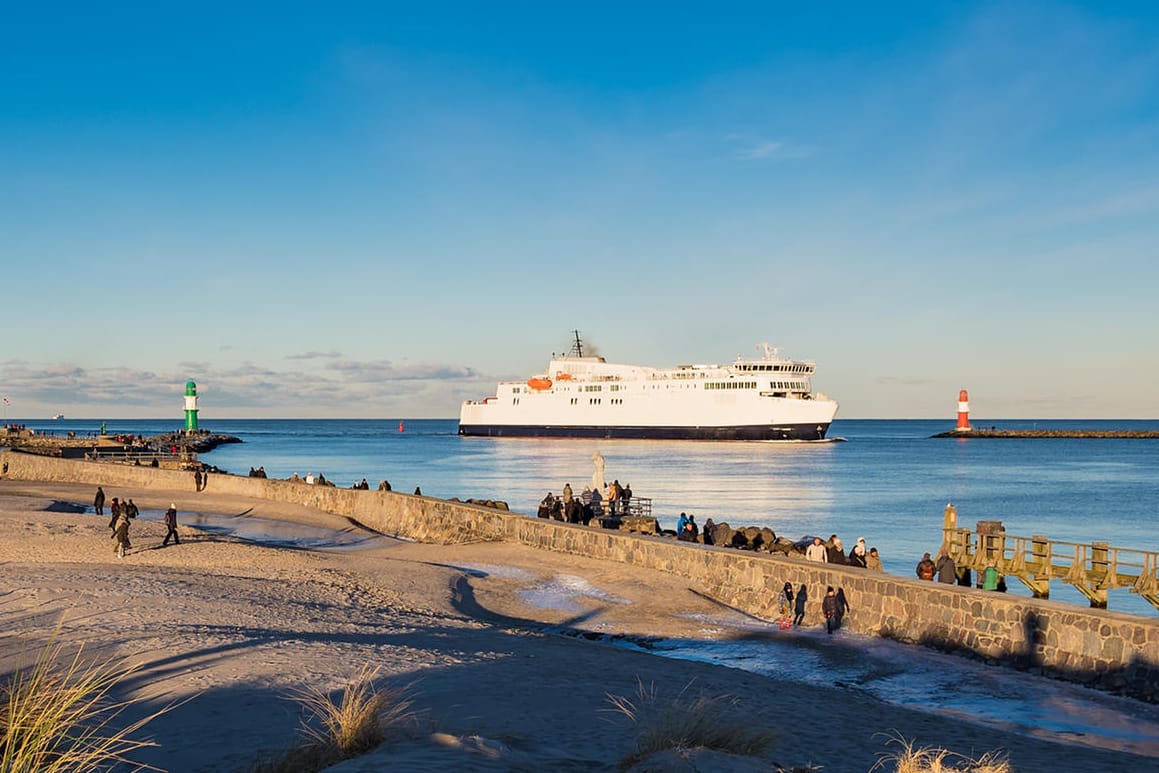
(829, 607)
(171, 525)
(799, 605)
(121, 534)
(115, 511)
(946, 569)
(131, 509)
(816, 552)
(99, 501)
(926, 568)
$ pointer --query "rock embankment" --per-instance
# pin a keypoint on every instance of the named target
(1113, 434)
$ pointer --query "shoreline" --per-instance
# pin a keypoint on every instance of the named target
(467, 634)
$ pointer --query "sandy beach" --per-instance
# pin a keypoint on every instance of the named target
(233, 628)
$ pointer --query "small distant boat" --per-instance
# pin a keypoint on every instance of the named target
(58, 417)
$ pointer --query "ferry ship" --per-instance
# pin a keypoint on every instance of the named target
(768, 398)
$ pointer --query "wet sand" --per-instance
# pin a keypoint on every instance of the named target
(233, 627)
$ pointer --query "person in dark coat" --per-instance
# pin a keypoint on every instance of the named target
(197, 480)
(842, 606)
(799, 605)
(857, 556)
(835, 553)
(946, 568)
(829, 607)
(115, 510)
(99, 501)
(171, 525)
(131, 509)
(709, 532)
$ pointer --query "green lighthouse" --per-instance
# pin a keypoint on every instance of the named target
(190, 407)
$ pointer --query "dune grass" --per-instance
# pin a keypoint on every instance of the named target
(363, 717)
(687, 721)
(58, 715)
(920, 759)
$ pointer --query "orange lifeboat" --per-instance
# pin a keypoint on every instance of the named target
(539, 382)
(561, 376)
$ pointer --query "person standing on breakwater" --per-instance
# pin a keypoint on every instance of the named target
(873, 561)
(197, 480)
(835, 551)
(567, 494)
(816, 552)
(857, 556)
(990, 577)
(99, 501)
(709, 532)
(925, 568)
(947, 570)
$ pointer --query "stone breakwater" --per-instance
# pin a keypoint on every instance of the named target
(1100, 648)
(1093, 434)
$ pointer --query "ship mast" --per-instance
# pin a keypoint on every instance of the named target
(577, 347)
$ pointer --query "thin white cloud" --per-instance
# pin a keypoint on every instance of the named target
(374, 385)
(765, 149)
(314, 356)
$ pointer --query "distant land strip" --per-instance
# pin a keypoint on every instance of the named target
(1119, 434)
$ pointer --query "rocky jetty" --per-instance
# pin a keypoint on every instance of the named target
(1052, 433)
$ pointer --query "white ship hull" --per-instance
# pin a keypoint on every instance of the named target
(766, 399)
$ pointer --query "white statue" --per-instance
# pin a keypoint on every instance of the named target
(598, 475)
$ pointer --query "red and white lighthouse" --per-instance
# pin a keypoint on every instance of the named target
(963, 412)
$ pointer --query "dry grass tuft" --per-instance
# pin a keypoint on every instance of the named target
(687, 722)
(911, 759)
(360, 720)
(56, 715)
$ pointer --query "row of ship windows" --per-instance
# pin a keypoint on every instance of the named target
(715, 385)
(777, 368)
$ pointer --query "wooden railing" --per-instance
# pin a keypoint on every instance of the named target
(1092, 568)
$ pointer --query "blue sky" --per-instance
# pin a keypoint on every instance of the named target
(378, 210)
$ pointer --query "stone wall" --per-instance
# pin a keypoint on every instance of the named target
(1098, 647)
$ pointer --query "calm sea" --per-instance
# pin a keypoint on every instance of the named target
(889, 481)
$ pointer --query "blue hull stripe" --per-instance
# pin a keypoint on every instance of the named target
(753, 432)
